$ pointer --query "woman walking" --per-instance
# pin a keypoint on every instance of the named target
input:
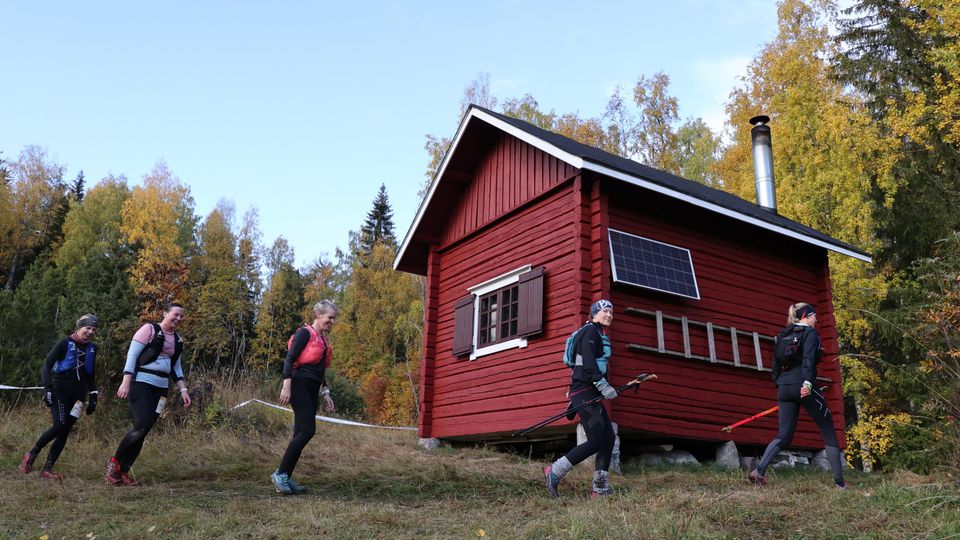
(68, 377)
(795, 389)
(589, 381)
(304, 370)
(153, 359)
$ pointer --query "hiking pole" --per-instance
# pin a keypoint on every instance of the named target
(570, 412)
(758, 415)
(751, 419)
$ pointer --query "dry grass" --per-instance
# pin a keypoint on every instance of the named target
(209, 479)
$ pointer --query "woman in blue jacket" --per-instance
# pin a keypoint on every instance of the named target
(68, 379)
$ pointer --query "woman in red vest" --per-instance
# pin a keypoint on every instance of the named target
(304, 369)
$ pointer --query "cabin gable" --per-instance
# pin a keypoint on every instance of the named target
(508, 175)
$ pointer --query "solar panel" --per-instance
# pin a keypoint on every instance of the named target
(652, 265)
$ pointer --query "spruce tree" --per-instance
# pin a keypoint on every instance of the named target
(378, 227)
(76, 189)
(886, 56)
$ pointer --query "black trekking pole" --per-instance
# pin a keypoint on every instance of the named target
(569, 413)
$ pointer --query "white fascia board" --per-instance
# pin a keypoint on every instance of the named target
(536, 142)
(638, 181)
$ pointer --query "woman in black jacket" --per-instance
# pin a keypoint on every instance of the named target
(795, 389)
(68, 377)
(589, 381)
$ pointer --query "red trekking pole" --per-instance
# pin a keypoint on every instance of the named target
(758, 415)
(751, 419)
(569, 413)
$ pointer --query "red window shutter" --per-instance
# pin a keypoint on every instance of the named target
(531, 303)
(463, 326)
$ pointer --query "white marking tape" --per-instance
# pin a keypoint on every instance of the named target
(323, 418)
(5, 387)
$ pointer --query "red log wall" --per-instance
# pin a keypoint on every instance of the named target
(525, 207)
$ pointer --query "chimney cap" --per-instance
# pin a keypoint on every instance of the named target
(760, 120)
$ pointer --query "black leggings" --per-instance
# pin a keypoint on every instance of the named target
(143, 399)
(596, 424)
(63, 422)
(790, 402)
(304, 398)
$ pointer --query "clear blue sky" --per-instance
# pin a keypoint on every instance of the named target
(302, 109)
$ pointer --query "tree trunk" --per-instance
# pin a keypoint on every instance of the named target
(8, 286)
(867, 456)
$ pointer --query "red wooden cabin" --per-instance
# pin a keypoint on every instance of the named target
(515, 238)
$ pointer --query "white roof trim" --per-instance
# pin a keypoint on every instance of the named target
(580, 163)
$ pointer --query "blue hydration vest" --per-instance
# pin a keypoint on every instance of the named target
(70, 362)
(602, 361)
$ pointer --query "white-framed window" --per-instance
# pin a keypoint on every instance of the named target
(499, 313)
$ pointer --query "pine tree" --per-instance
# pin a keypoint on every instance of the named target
(30, 322)
(378, 227)
(76, 188)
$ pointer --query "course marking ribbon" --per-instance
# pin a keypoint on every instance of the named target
(323, 418)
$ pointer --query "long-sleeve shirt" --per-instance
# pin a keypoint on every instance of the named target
(160, 365)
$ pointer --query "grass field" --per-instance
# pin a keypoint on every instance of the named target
(209, 479)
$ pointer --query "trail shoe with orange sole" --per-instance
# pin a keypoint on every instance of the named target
(27, 464)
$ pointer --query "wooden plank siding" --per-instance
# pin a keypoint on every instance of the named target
(746, 281)
(520, 209)
(511, 174)
(430, 309)
(510, 389)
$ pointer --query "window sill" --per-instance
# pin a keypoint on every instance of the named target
(518, 343)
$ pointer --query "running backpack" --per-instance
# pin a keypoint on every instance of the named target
(570, 348)
(788, 350)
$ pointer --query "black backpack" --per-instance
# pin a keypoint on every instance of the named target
(788, 350)
(153, 350)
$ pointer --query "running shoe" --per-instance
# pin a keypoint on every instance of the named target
(599, 494)
(841, 486)
(51, 474)
(551, 481)
(757, 478)
(296, 488)
(128, 480)
(27, 464)
(281, 481)
(112, 475)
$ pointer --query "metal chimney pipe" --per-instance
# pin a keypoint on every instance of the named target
(763, 163)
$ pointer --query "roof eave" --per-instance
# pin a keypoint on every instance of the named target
(653, 186)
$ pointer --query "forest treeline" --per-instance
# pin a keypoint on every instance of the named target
(866, 131)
